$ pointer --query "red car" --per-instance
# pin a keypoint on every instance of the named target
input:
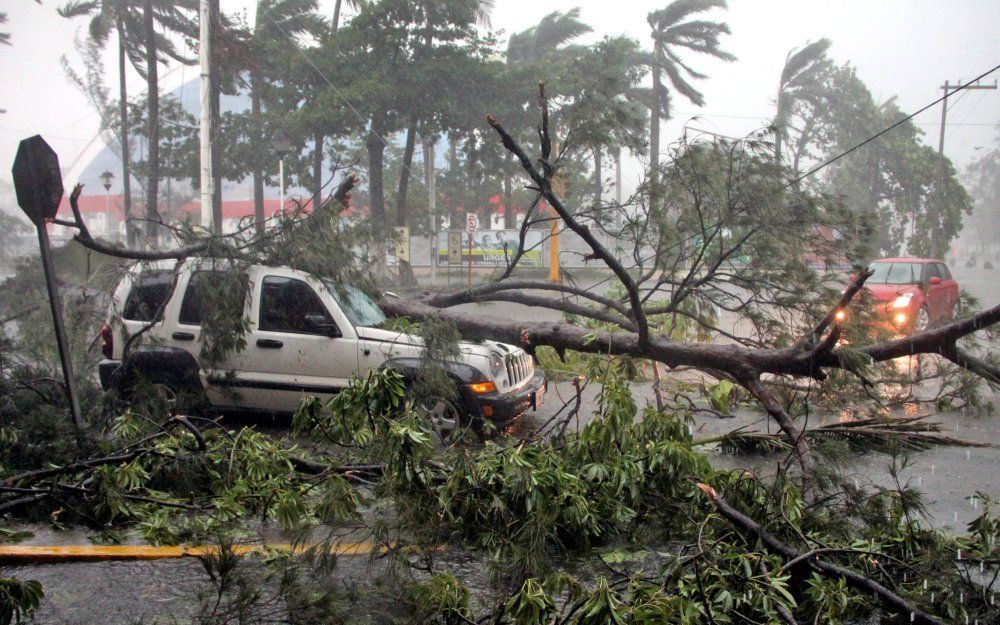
(913, 294)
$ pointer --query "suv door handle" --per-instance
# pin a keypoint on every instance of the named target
(182, 336)
(269, 344)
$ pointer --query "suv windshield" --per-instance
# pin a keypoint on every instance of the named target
(358, 307)
(895, 273)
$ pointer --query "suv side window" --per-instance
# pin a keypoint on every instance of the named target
(200, 288)
(285, 305)
(148, 295)
(943, 272)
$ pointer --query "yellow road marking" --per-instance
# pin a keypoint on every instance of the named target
(85, 553)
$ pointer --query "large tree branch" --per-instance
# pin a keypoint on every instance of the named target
(736, 360)
(211, 246)
(477, 293)
(544, 181)
(853, 579)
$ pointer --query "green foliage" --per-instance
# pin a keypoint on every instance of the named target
(18, 599)
(441, 599)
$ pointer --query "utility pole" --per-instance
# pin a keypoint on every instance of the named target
(431, 203)
(205, 129)
(936, 243)
(948, 89)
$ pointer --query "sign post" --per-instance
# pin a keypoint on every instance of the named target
(471, 226)
(38, 183)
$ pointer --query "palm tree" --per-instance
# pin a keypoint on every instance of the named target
(135, 24)
(672, 31)
(542, 45)
(108, 15)
(319, 137)
(431, 13)
(798, 83)
(278, 24)
(4, 37)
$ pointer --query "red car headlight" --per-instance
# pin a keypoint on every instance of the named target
(902, 301)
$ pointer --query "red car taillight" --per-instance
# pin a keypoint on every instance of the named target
(107, 341)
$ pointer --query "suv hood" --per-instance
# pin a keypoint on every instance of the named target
(482, 348)
(884, 292)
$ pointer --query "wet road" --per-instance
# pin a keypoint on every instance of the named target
(161, 591)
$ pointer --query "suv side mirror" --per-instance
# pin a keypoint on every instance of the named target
(934, 280)
(319, 324)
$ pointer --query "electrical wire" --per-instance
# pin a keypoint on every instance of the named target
(900, 122)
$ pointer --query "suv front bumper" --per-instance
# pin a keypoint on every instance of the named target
(105, 370)
(504, 408)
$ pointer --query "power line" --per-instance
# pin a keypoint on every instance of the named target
(900, 122)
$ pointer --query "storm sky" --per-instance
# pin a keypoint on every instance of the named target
(902, 48)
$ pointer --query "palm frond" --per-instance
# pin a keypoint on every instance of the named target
(799, 60)
(876, 433)
(78, 8)
(681, 9)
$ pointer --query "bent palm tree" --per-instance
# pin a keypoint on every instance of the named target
(542, 44)
(672, 31)
(798, 83)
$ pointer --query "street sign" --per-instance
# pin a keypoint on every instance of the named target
(37, 179)
(403, 244)
(471, 223)
(38, 184)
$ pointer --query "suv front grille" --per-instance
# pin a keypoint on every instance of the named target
(520, 368)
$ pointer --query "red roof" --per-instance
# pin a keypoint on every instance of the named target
(231, 209)
(907, 259)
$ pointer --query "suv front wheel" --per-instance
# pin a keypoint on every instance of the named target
(445, 420)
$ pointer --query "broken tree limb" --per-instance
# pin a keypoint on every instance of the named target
(544, 182)
(854, 579)
(737, 361)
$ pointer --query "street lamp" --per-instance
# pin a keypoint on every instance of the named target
(283, 146)
(110, 226)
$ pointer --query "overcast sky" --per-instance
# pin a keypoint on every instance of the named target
(903, 48)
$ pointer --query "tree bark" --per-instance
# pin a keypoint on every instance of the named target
(598, 182)
(654, 131)
(509, 218)
(130, 237)
(258, 174)
(336, 15)
(404, 174)
(152, 126)
(317, 167)
(214, 102)
(376, 167)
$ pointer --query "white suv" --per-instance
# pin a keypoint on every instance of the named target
(306, 336)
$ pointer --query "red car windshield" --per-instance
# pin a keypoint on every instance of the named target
(895, 273)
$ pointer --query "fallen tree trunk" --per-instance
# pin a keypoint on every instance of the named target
(735, 360)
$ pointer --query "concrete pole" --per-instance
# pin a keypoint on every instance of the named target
(205, 128)
(432, 204)
(281, 184)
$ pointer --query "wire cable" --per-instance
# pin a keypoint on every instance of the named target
(900, 122)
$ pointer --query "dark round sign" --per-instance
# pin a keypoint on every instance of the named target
(37, 179)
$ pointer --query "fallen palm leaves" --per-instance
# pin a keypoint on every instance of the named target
(876, 433)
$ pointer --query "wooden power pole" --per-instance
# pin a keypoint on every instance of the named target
(936, 243)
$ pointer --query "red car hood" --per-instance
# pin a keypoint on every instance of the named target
(885, 292)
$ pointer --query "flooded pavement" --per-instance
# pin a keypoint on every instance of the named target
(166, 591)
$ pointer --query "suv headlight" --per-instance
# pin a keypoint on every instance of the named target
(496, 364)
(903, 301)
